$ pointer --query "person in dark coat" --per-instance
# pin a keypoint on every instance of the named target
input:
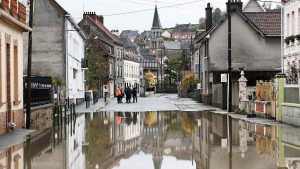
(134, 94)
(128, 94)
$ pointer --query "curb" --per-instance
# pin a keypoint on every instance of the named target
(104, 104)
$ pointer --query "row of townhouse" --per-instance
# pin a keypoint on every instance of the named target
(58, 52)
(265, 49)
(255, 50)
(90, 28)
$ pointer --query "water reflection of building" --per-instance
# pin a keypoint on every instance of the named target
(247, 153)
(12, 157)
(289, 147)
(163, 135)
(76, 138)
(124, 131)
(266, 143)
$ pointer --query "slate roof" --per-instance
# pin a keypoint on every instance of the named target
(181, 27)
(106, 31)
(185, 45)
(268, 22)
(148, 57)
(124, 33)
(175, 45)
(143, 35)
(156, 22)
(134, 33)
(128, 43)
(129, 33)
(265, 23)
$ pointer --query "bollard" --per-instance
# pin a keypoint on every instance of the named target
(65, 113)
(105, 95)
(53, 118)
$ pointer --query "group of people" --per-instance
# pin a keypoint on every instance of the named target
(128, 94)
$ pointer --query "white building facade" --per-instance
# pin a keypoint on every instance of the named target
(11, 68)
(132, 73)
(291, 30)
(75, 43)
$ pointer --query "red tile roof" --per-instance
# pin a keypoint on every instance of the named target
(268, 22)
(106, 31)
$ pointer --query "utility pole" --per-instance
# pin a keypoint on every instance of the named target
(28, 108)
(161, 66)
(229, 125)
(229, 58)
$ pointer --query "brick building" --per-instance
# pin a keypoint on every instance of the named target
(12, 26)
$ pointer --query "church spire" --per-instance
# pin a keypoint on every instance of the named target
(156, 22)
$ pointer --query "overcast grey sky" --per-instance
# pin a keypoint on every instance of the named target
(181, 12)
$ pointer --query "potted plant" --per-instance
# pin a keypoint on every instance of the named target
(1, 6)
(298, 37)
(292, 38)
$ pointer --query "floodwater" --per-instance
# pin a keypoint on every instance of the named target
(157, 140)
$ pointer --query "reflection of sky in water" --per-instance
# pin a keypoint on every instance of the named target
(144, 161)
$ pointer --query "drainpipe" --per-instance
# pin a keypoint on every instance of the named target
(280, 80)
(67, 93)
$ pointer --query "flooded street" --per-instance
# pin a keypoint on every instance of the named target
(157, 140)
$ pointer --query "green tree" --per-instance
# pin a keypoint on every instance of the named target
(99, 141)
(98, 68)
(216, 16)
(173, 67)
(201, 23)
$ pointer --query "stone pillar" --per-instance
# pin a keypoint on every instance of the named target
(280, 94)
(243, 97)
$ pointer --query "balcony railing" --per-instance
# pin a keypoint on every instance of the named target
(15, 9)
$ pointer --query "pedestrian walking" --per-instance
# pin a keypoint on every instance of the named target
(119, 95)
(134, 94)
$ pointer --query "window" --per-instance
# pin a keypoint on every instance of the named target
(299, 21)
(74, 73)
(16, 75)
(121, 73)
(110, 69)
(288, 25)
(118, 71)
(293, 23)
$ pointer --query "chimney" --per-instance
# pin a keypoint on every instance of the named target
(208, 17)
(115, 32)
(238, 4)
(100, 18)
(92, 15)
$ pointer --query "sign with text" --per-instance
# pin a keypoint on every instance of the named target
(224, 77)
(197, 68)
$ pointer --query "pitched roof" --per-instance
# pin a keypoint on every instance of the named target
(106, 31)
(172, 45)
(156, 22)
(143, 35)
(124, 33)
(268, 22)
(128, 43)
(181, 27)
(265, 23)
(253, 6)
